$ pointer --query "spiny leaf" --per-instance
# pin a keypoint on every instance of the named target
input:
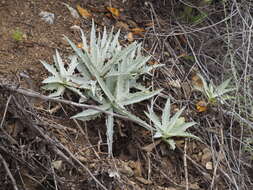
(59, 92)
(171, 126)
(139, 96)
(86, 114)
(60, 63)
(50, 68)
(154, 118)
(173, 120)
(166, 113)
(85, 59)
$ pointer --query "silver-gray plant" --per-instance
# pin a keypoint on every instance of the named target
(214, 93)
(168, 127)
(63, 78)
(113, 69)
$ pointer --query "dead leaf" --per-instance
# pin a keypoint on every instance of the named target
(130, 37)
(136, 166)
(180, 143)
(206, 157)
(114, 11)
(153, 63)
(138, 31)
(196, 81)
(80, 45)
(57, 164)
(174, 108)
(201, 106)
(125, 169)
(83, 12)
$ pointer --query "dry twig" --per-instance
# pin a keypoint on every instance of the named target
(14, 184)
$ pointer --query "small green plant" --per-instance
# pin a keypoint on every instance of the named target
(193, 15)
(168, 127)
(107, 74)
(214, 94)
(17, 35)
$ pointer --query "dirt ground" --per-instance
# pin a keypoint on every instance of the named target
(42, 148)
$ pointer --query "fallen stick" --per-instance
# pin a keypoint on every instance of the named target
(30, 93)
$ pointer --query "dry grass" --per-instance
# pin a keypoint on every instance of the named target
(220, 47)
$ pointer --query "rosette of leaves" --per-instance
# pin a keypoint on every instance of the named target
(115, 69)
(64, 78)
(214, 93)
(168, 127)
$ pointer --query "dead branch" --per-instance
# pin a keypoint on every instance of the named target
(57, 147)
(30, 93)
(14, 184)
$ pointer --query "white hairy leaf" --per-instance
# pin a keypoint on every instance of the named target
(168, 127)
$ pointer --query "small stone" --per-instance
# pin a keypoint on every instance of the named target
(209, 165)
